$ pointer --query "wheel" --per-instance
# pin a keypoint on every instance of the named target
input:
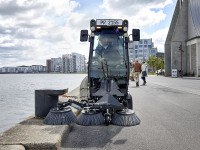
(130, 102)
(107, 120)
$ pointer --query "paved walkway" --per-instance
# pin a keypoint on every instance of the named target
(170, 117)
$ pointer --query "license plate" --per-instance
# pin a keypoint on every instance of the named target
(106, 22)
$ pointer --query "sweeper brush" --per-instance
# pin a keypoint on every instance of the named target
(90, 118)
(60, 117)
(126, 117)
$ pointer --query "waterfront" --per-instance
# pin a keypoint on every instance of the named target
(17, 100)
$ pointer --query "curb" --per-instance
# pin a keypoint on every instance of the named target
(193, 78)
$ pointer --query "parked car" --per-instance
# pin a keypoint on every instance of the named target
(160, 71)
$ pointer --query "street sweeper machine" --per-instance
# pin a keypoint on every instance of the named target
(108, 100)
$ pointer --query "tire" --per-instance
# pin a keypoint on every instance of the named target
(107, 120)
(130, 102)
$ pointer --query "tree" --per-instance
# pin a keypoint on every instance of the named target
(152, 62)
(161, 62)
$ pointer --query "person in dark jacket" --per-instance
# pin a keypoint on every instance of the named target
(106, 50)
(137, 67)
(105, 47)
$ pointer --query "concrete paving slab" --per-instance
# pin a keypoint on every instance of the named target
(12, 147)
(33, 134)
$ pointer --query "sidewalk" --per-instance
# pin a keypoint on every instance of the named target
(194, 78)
(184, 77)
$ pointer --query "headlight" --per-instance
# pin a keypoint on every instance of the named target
(125, 29)
(92, 34)
(92, 28)
(125, 35)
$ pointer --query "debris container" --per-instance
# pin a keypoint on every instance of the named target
(45, 99)
(174, 73)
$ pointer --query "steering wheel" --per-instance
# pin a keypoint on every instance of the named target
(119, 66)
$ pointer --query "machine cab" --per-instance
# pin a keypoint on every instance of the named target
(108, 56)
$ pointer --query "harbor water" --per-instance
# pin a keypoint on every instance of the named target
(17, 93)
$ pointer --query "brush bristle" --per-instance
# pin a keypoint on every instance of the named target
(125, 119)
(90, 119)
(60, 118)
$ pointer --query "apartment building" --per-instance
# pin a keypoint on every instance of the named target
(16, 69)
(80, 62)
(38, 68)
(142, 50)
(68, 63)
(56, 64)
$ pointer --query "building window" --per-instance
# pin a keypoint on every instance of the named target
(140, 46)
(136, 51)
(140, 51)
(140, 55)
(149, 46)
(145, 46)
(145, 51)
(141, 41)
(145, 41)
(136, 56)
(153, 51)
(136, 46)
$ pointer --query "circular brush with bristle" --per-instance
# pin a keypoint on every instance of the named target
(90, 118)
(126, 117)
(60, 117)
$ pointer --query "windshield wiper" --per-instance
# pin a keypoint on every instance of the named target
(118, 37)
(122, 46)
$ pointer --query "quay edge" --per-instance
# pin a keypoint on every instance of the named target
(32, 134)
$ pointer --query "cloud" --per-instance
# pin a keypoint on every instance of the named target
(28, 30)
(137, 11)
(32, 31)
(13, 7)
(158, 38)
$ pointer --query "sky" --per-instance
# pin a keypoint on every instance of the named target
(32, 31)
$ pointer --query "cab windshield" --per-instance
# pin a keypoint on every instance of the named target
(108, 58)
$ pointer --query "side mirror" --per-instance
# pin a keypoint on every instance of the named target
(84, 35)
(136, 34)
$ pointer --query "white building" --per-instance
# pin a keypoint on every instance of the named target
(38, 68)
(74, 62)
(56, 64)
(80, 62)
(68, 63)
(16, 69)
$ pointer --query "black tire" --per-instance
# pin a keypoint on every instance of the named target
(107, 120)
(130, 103)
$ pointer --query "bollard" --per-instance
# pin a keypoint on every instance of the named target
(45, 99)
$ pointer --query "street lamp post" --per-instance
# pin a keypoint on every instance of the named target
(157, 63)
(180, 48)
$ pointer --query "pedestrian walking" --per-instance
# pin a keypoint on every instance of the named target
(137, 67)
(144, 72)
(132, 74)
